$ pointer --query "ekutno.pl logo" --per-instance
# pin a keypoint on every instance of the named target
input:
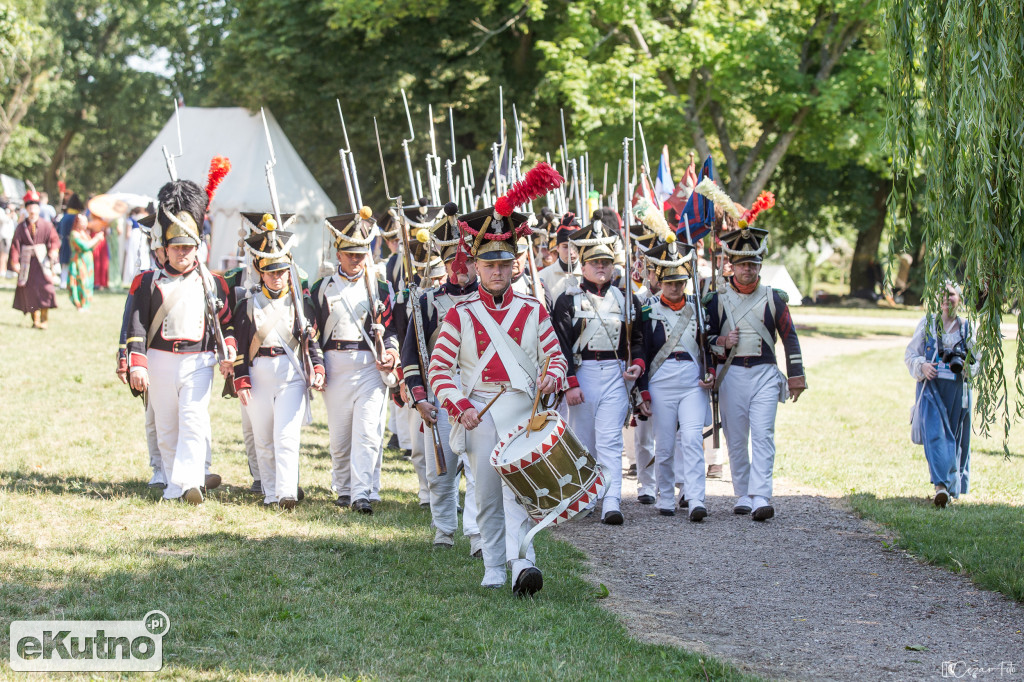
(89, 645)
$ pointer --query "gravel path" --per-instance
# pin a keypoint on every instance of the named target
(814, 594)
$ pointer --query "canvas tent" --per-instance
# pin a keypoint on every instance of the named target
(776, 275)
(237, 134)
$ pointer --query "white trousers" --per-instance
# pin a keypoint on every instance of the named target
(250, 443)
(749, 399)
(598, 420)
(156, 461)
(679, 407)
(398, 424)
(503, 522)
(639, 450)
(418, 447)
(444, 490)
(276, 412)
(355, 400)
(179, 390)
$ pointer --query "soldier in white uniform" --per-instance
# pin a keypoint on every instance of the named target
(434, 306)
(566, 269)
(174, 339)
(603, 357)
(745, 318)
(675, 392)
(274, 368)
(357, 336)
(496, 339)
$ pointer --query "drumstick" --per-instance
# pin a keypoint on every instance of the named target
(482, 412)
(536, 398)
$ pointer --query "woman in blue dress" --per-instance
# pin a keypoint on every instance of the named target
(939, 357)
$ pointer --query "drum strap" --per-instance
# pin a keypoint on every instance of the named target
(524, 545)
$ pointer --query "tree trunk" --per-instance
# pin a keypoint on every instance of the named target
(864, 270)
(50, 181)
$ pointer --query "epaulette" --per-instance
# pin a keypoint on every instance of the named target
(784, 296)
(645, 312)
(708, 295)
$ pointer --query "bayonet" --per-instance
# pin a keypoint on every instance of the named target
(168, 157)
(416, 316)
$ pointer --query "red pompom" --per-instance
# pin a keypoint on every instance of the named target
(540, 180)
(219, 167)
(504, 206)
(765, 200)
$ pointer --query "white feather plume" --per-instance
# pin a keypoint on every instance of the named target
(709, 189)
(650, 216)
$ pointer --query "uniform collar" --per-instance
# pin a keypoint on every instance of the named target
(343, 276)
(454, 289)
(274, 295)
(672, 306)
(587, 285)
(169, 269)
(744, 290)
(496, 302)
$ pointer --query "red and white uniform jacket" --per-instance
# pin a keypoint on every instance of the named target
(466, 344)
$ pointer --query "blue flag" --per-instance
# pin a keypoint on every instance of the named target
(699, 210)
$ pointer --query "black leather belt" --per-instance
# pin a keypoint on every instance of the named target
(270, 351)
(752, 361)
(680, 355)
(599, 355)
(186, 346)
(346, 345)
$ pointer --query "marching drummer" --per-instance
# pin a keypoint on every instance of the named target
(498, 341)
(676, 397)
(434, 306)
(591, 322)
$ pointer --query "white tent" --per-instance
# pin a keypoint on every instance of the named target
(237, 134)
(776, 275)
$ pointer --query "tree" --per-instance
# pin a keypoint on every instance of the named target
(955, 111)
(744, 79)
(27, 58)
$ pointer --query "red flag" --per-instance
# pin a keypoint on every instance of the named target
(644, 188)
(684, 189)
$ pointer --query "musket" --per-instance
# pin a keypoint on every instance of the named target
(416, 315)
(348, 170)
(168, 157)
(405, 149)
(305, 331)
(433, 161)
(702, 339)
(449, 164)
(627, 220)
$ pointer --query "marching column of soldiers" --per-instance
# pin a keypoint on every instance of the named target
(463, 336)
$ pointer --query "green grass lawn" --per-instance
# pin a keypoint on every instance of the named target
(312, 593)
(850, 433)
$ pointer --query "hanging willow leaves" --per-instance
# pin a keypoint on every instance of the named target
(955, 122)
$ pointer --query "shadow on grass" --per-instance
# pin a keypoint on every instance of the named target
(19, 482)
(994, 452)
(381, 605)
(982, 541)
